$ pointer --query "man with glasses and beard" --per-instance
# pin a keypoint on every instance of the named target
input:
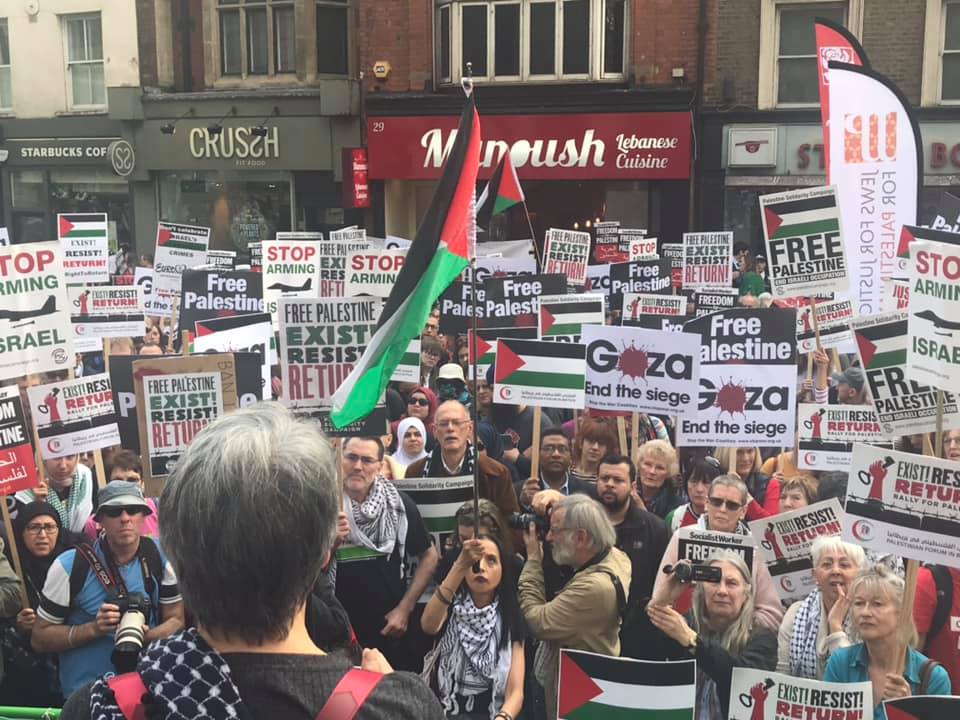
(386, 535)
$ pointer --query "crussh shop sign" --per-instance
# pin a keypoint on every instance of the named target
(234, 143)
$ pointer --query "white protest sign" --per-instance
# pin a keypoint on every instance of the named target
(179, 248)
(784, 543)
(896, 295)
(348, 235)
(766, 695)
(100, 311)
(637, 245)
(291, 268)
(637, 304)
(239, 333)
(153, 305)
(637, 370)
(540, 373)
(707, 258)
(4, 237)
(408, 369)
(373, 272)
(74, 416)
(85, 241)
(598, 279)
(805, 251)
(567, 253)
(933, 349)
(825, 434)
(563, 316)
(833, 323)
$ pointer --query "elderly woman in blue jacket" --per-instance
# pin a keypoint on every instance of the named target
(885, 657)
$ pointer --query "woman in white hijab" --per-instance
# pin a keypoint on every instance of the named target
(411, 439)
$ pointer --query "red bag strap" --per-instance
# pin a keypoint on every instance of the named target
(349, 695)
(128, 689)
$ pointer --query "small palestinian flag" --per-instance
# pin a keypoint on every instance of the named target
(923, 707)
(608, 688)
(487, 351)
(502, 192)
(807, 216)
(83, 225)
(438, 507)
(909, 233)
(408, 369)
(182, 237)
(884, 344)
(564, 315)
(540, 373)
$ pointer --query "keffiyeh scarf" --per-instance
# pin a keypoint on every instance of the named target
(434, 465)
(64, 508)
(379, 522)
(803, 642)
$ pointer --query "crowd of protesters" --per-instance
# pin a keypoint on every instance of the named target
(268, 570)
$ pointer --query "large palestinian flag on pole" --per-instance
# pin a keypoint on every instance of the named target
(441, 250)
(598, 687)
(501, 193)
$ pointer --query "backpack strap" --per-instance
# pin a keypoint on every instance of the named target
(618, 586)
(349, 695)
(926, 672)
(129, 690)
(944, 585)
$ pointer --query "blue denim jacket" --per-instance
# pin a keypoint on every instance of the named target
(850, 664)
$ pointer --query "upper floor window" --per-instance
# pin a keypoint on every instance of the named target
(84, 42)
(797, 78)
(950, 53)
(333, 37)
(531, 40)
(257, 37)
(6, 89)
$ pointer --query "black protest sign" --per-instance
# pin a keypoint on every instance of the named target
(210, 294)
(640, 276)
(941, 212)
(501, 302)
(710, 301)
(375, 424)
(698, 545)
(748, 379)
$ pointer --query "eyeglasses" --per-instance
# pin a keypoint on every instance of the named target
(444, 424)
(115, 512)
(37, 529)
(551, 449)
(732, 506)
(422, 402)
(353, 458)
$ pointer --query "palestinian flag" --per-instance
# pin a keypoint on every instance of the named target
(909, 233)
(883, 344)
(564, 315)
(487, 351)
(441, 250)
(502, 192)
(610, 688)
(182, 237)
(540, 373)
(408, 369)
(810, 216)
(438, 500)
(923, 707)
(83, 225)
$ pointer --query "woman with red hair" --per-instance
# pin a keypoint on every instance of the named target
(595, 439)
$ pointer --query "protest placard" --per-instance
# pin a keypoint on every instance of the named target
(766, 695)
(598, 279)
(567, 253)
(698, 545)
(348, 235)
(642, 276)
(606, 246)
(904, 504)
(291, 268)
(372, 272)
(896, 295)
(392, 242)
(710, 301)
(376, 424)
(332, 259)
(256, 256)
(833, 324)
(748, 379)
(637, 304)
(933, 349)
(4, 237)
(909, 234)
(924, 707)
(438, 499)
(179, 248)
(637, 245)
(74, 416)
(674, 253)
(670, 323)
(801, 229)
(211, 294)
(904, 406)
(540, 373)
(320, 342)
(35, 332)
(239, 333)
(514, 302)
(84, 239)
(641, 370)
(408, 369)
(707, 258)
(826, 433)
(561, 317)
(501, 267)
(222, 259)
(153, 305)
(18, 470)
(100, 311)
(784, 543)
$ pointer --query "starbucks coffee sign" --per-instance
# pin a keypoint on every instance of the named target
(235, 143)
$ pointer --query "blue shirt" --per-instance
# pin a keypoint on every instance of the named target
(83, 664)
(850, 664)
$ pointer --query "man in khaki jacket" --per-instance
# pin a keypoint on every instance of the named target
(585, 614)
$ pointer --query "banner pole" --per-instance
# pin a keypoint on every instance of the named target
(938, 438)
(14, 552)
(622, 435)
(533, 236)
(174, 322)
(634, 433)
(535, 447)
(185, 343)
(816, 325)
(474, 409)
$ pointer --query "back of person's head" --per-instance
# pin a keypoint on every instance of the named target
(250, 516)
(736, 635)
(583, 513)
(705, 467)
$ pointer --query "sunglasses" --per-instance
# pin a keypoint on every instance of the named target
(117, 511)
(422, 402)
(731, 505)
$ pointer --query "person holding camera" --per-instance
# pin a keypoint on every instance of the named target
(585, 614)
(720, 632)
(120, 586)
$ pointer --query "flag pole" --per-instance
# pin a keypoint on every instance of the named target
(533, 235)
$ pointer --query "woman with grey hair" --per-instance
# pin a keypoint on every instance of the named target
(886, 657)
(719, 632)
(250, 515)
(816, 626)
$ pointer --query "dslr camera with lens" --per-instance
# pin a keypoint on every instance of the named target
(521, 521)
(687, 572)
(128, 641)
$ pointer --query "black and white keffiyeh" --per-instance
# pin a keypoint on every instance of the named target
(803, 642)
(379, 522)
(434, 467)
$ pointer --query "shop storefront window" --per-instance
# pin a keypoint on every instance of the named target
(238, 211)
(6, 91)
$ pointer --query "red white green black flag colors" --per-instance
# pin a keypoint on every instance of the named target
(442, 248)
(502, 192)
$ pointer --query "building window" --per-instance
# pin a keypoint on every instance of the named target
(333, 33)
(797, 78)
(6, 89)
(539, 40)
(257, 37)
(950, 70)
(85, 61)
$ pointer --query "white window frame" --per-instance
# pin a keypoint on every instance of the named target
(242, 7)
(83, 17)
(8, 67)
(767, 77)
(934, 38)
(595, 44)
